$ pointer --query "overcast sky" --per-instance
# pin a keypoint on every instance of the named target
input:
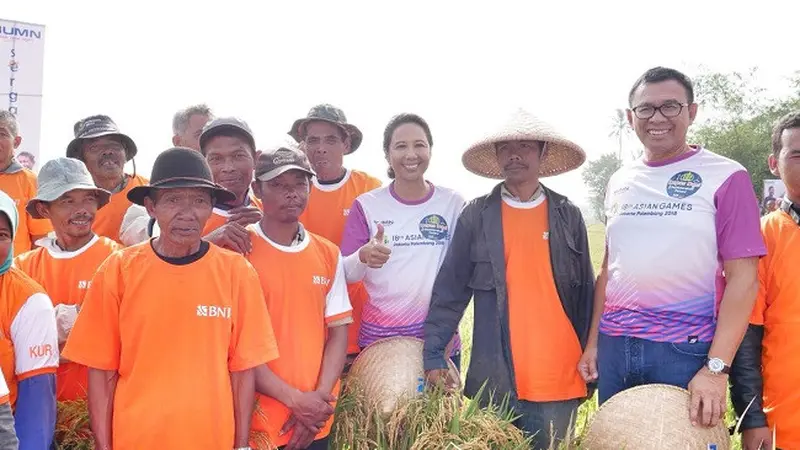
(464, 69)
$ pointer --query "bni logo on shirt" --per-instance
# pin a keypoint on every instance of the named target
(320, 280)
(214, 311)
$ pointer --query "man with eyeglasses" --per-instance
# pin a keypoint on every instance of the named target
(679, 277)
(105, 150)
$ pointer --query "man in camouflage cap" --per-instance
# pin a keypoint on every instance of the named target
(326, 136)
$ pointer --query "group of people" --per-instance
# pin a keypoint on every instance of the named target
(222, 298)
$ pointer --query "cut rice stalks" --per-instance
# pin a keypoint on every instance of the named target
(72, 426)
(434, 420)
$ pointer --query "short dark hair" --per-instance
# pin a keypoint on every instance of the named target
(791, 120)
(394, 123)
(659, 74)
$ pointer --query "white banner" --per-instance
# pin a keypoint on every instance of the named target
(22, 49)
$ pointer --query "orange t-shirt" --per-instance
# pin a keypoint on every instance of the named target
(544, 347)
(303, 284)
(28, 336)
(108, 219)
(326, 214)
(173, 333)
(21, 187)
(66, 276)
(220, 216)
(778, 310)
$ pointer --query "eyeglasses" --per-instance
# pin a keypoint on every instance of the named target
(669, 109)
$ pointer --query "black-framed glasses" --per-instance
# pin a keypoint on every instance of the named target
(669, 109)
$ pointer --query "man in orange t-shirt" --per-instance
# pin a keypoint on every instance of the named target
(64, 265)
(522, 251)
(766, 370)
(19, 183)
(305, 290)
(105, 150)
(172, 328)
(326, 138)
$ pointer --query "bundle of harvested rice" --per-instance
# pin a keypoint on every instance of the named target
(259, 440)
(72, 426)
(384, 405)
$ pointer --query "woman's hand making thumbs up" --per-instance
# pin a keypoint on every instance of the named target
(375, 253)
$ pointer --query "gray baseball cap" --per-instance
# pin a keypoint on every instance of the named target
(59, 176)
(226, 126)
(280, 159)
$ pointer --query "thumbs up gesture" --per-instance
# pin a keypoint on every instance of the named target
(375, 253)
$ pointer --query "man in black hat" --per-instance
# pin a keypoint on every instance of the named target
(172, 329)
(105, 150)
(327, 137)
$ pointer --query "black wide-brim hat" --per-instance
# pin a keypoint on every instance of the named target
(181, 167)
(94, 127)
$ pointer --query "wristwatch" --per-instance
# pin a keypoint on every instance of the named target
(717, 366)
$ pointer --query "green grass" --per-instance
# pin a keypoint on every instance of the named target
(596, 247)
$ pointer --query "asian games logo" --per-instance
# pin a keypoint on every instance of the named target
(434, 227)
(684, 184)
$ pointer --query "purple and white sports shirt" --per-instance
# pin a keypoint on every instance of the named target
(671, 225)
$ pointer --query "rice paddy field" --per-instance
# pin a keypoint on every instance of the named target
(596, 246)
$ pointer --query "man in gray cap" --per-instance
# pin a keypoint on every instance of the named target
(64, 265)
(230, 150)
(105, 150)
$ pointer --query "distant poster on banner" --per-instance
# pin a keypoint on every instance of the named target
(774, 191)
(22, 54)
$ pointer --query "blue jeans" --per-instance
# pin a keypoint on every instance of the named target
(541, 420)
(624, 362)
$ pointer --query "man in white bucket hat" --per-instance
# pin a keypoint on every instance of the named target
(522, 252)
(65, 264)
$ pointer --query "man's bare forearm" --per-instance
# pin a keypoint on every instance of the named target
(333, 358)
(271, 385)
(244, 400)
(101, 390)
(741, 277)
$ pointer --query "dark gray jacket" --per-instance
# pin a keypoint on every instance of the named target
(475, 267)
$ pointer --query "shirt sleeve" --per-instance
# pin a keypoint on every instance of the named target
(760, 308)
(33, 332)
(35, 415)
(134, 228)
(95, 339)
(253, 339)
(356, 230)
(738, 219)
(338, 310)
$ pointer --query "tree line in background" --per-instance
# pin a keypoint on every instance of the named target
(735, 120)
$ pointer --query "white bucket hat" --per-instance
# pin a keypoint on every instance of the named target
(59, 176)
(560, 154)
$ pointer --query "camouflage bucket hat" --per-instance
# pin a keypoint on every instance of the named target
(94, 127)
(331, 114)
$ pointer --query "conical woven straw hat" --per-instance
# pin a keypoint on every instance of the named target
(652, 417)
(561, 155)
(389, 370)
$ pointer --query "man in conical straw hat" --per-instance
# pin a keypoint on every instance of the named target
(522, 252)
